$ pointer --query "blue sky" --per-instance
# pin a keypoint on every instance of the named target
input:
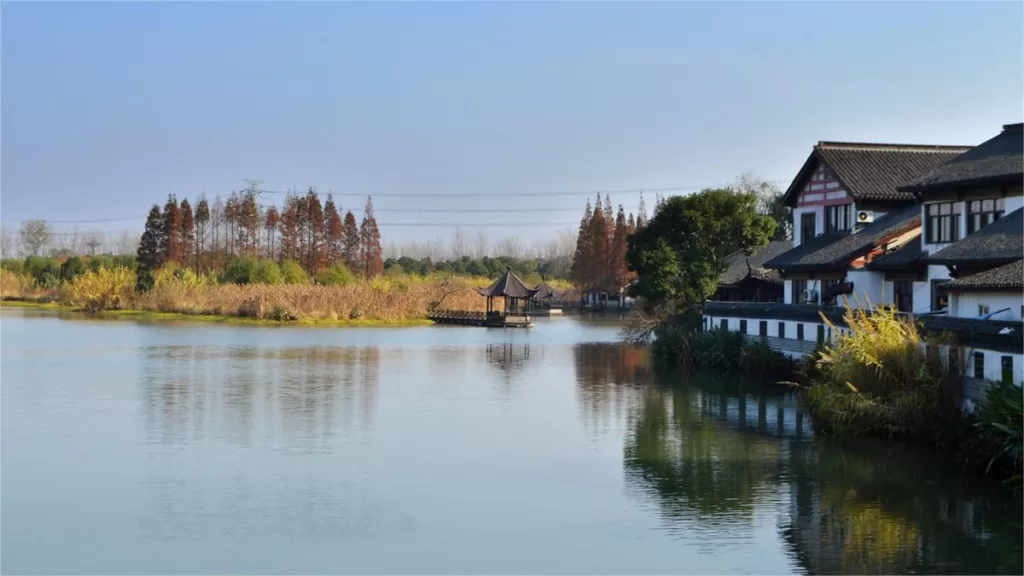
(108, 107)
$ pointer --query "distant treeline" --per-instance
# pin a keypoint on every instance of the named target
(486, 266)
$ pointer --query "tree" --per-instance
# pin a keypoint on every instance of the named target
(34, 236)
(641, 213)
(680, 254)
(150, 255)
(334, 232)
(369, 240)
(350, 242)
(617, 270)
(289, 229)
(769, 203)
(599, 248)
(311, 224)
(202, 218)
(248, 215)
(170, 246)
(230, 216)
(582, 266)
(270, 223)
(187, 234)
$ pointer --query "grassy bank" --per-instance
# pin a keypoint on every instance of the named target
(183, 294)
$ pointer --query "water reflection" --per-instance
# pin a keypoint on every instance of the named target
(287, 393)
(721, 457)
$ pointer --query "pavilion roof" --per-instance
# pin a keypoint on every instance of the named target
(509, 285)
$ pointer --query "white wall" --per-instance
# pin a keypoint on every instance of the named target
(868, 287)
(993, 367)
(788, 297)
(819, 221)
(965, 304)
(1013, 203)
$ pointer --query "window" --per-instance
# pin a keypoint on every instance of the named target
(799, 331)
(828, 287)
(940, 298)
(763, 329)
(943, 223)
(821, 334)
(837, 218)
(743, 326)
(1007, 365)
(982, 309)
(799, 287)
(725, 323)
(955, 354)
(979, 365)
(807, 226)
(782, 329)
(981, 213)
(903, 292)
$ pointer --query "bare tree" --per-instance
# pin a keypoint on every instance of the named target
(458, 244)
(34, 236)
(481, 244)
(511, 247)
(8, 249)
(127, 243)
(769, 202)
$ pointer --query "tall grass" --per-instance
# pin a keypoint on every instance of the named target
(880, 376)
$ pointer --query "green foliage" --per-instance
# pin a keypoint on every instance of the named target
(355, 314)
(487, 266)
(1001, 422)
(293, 273)
(71, 269)
(126, 261)
(337, 275)
(759, 362)
(682, 251)
(15, 265)
(266, 272)
(238, 271)
(144, 280)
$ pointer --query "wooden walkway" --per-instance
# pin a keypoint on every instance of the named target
(470, 318)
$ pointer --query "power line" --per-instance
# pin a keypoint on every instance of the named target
(514, 194)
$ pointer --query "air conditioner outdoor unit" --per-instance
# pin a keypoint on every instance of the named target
(810, 296)
(865, 216)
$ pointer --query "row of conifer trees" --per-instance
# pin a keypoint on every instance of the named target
(313, 234)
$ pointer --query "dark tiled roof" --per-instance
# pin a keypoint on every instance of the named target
(835, 250)
(998, 243)
(741, 266)
(873, 171)
(544, 290)
(910, 254)
(997, 160)
(508, 285)
(1007, 277)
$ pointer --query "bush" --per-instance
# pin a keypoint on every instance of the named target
(355, 314)
(71, 269)
(293, 273)
(101, 290)
(1000, 422)
(717, 350)
(97, 262)
(126, 261)
(15, 265)
(266, 272)
(337, 275)
(238, 271)
(759, 362)
(45, 271)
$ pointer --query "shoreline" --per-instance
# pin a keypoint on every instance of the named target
(152, 316)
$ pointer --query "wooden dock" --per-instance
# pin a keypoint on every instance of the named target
(491, 320)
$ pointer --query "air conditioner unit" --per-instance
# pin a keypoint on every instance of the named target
(810, 296)
(865, 216)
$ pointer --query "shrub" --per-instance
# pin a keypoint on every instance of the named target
(15, 265)
(45, 271)
(71, 269)
(1000, 422)
(717, 350)
(759, 362)
(97, 262)
(337, 275)
(266, 272)
(293, 273)
(238, 271)
(100, 290)
(144, 281)
(355, 314)
(126, 261)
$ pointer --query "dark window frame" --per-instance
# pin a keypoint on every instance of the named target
(762, 329)
(800, 331)
(798, 287)
(903, 295)
(979, 365)
(940, 299)
(808, 221)
(1006, 363)
(981, 213)
(838, 217)
(782, 329)
(743, 326)
(724, 324)
(942, 222)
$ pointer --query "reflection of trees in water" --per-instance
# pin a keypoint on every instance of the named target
(190, 392)
(873, 509)
(608, 377)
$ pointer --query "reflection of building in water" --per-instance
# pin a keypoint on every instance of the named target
(508, 358)
(232, 393)
(857, 512)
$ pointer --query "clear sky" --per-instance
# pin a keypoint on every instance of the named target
(108, 107)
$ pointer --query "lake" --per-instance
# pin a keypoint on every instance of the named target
(195, 448)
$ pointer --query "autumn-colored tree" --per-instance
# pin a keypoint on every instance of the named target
(289, 228)
(617, 270)
(350, 242)
(311, 223)
(150, 255)
(334, 232)
(216, 224)
(230, 215)
(369, 240)
(599, 246)
(202, 218)
(581, 264)
(249, 224)
(187, 234)
(270, 223)
(170, 249)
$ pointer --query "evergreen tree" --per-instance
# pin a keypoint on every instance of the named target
(202, 218)
(334, 232)
(369, 240)
(599, 249)
(270, 223)
(617, 270)
(187, 234)
(350, 242)
(581, 264)
(170, 248)
(150, 255)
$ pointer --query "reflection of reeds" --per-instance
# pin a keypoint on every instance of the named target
(235, 392)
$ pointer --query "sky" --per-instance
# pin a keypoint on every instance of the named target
(105, 108)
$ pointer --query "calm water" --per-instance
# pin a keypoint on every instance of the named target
(156, 448)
